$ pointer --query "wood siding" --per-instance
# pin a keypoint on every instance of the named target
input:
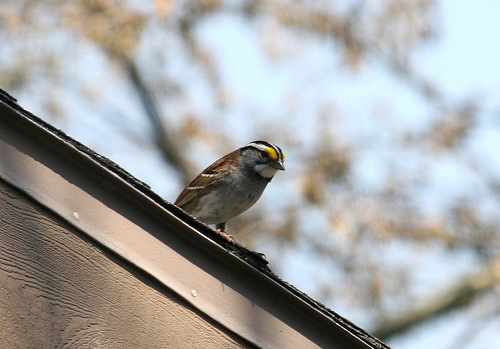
(59, 289)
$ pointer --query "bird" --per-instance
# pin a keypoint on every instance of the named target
(232, 184)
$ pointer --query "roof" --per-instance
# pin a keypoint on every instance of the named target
(227, 282)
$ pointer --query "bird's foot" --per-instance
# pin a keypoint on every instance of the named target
(227, 236)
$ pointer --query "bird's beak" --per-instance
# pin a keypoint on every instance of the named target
(278, 164)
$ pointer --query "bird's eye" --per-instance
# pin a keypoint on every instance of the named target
(263, 154)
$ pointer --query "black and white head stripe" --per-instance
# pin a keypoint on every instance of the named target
(272, 150)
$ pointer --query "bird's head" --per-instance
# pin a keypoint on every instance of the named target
(266, 158)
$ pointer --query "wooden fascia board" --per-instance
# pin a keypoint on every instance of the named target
(162, 241)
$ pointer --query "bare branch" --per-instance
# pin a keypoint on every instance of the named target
(166, 144)
(462, 294)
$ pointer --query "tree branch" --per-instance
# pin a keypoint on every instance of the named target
(482, 280)
(166, 144)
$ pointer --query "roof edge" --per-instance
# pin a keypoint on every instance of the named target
(250, 258)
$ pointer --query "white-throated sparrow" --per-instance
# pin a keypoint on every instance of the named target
(232, 184)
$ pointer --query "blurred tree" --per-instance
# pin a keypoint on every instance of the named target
(331, 217)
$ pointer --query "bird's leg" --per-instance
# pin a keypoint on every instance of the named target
(221, 227)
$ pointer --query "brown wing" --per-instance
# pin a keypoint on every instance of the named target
(209, 177)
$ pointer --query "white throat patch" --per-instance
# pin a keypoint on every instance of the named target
(265, 171)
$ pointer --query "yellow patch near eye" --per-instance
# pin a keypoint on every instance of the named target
(272, 153)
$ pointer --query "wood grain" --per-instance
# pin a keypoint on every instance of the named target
(58, 289)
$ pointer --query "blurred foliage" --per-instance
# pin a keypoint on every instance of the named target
(113, 27)
(355, 220)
